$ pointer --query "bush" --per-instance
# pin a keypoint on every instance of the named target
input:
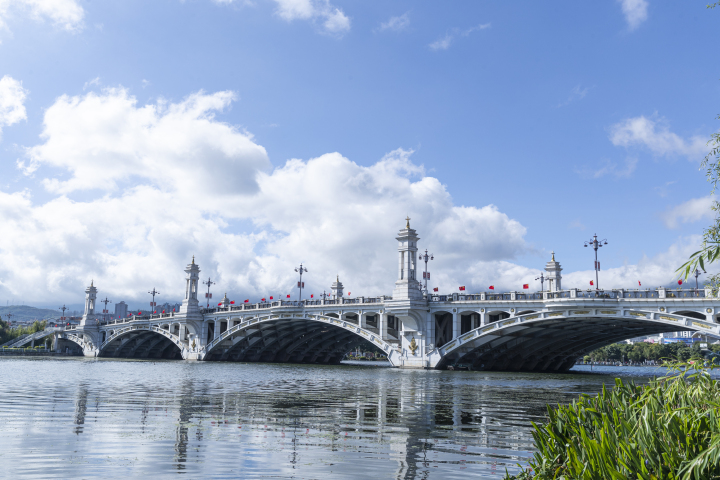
(669, 428)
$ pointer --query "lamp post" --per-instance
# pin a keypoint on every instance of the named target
(153, 293)
(697, 274)
(208, 295)
(595, 243)
(300, 269)
(105, 310)
(426, 274)
(63, 308)
(542, 279)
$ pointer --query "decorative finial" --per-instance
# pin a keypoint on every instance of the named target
(553, 256)
(91, 282)
(407, 225)
(193, 262)
(337, 278)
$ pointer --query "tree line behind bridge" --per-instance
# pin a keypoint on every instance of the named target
(642, 351)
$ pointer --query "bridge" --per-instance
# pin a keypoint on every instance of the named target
(514, 331)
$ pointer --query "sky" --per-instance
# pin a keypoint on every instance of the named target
(256, 135)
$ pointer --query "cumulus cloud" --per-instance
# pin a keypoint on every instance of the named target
(396, 24)
(103, 140)
(691, 211)
(656, 136)
(444, 42)
(635, 12)
(12, 102)
(332, 19)
(65, 14)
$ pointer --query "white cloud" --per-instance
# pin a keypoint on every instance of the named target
(396, 24)
(94, 82)
(441, 43)
(577, 93)
(610, 168)
(104, 140)
(333, 20)
(657, 137)
(12, 102)
(635, 12)
(445, 42)
(65, 14)
(691, 211)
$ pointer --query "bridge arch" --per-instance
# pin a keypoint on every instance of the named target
(554, 340)
(295, 339)
(496, 316)
(142, 341)
(691, 314)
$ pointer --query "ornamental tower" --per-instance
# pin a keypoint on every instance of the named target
(190, 303)
(337, 288)
(553, 276)
(407, 287)
(90, 297)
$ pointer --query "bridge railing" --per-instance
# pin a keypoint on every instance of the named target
(295, 303)
(657, 293)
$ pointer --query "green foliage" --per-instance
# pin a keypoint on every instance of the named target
(669, 429)
(7, 333)
(641, 351)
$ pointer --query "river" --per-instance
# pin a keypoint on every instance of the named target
(81, 418)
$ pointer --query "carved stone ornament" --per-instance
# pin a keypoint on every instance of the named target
(413, 346)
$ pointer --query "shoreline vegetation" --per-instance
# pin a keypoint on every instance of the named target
(667, 429)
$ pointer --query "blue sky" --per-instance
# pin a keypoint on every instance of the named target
(136, 134)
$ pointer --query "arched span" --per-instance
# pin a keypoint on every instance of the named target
(142, 341)
(308, 339)
(85, 345)
(554, 340)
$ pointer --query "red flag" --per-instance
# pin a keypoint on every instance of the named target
(219, 304)
(679, 282)
(311, 295)
(288, 296)
(163, 311)
(262, 300)
(349, 294)
(462, 289)
(271, 298)
(526, 286)
(492, 287)
(246, 301)
(232, 303)
(173, 309)
(155, 312)
(592, 283)
(435, 289)
(139, 313)
(639, 284)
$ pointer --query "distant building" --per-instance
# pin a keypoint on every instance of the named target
(121, 310)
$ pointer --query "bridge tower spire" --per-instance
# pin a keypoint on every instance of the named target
(553, 276)
(90, 298)
(407, 286)
(190, 302)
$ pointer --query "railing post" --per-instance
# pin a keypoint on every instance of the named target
(661, 292)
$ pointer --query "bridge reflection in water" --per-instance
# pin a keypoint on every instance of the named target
(516, 331)
(109, 418)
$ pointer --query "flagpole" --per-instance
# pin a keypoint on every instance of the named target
(595, 243)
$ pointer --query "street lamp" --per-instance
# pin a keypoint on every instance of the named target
(153, 293)
(426, 274)
(301, 284)
(63, 308)
(105, 310)
(542, 279)
(208, 295)
(697, 274)
(595, 243)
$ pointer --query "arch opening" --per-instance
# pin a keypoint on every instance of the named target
(141, 344)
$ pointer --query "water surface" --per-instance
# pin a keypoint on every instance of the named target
(77, 417)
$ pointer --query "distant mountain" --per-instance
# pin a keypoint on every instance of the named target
(24, 313)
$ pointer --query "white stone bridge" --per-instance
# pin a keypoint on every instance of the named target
(544, 331)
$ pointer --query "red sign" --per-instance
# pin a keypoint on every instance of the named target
(462, 289)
